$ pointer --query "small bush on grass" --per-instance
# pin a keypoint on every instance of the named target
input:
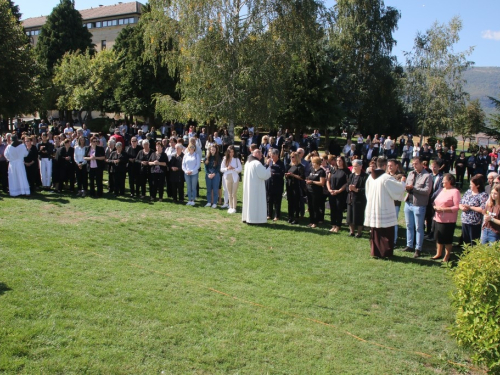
(477, 303)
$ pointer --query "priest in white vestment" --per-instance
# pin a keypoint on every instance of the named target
(15, 154)
(254, 210)
(380, 214)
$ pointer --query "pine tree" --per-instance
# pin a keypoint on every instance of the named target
(16, 67)
(63, 32)
(15, 10)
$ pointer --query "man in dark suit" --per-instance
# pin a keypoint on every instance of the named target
(369, 153)
(437, 186)
(95, 156)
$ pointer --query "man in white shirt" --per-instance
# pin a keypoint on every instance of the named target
(347, 147)
(388, 144)
(68, 129)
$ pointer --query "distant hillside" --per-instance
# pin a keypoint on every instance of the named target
(481, 83)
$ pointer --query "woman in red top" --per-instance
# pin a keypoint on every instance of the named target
(446, 208)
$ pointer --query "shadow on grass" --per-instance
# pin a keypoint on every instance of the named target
(428, 262)
(4, 288)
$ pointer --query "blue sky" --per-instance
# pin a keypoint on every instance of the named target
(481, 23)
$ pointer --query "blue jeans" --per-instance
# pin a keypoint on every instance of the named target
(414, 216)
(191, 182)
(489, 236)
(212, 186)
(398, 208)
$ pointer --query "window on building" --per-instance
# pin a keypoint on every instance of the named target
(131, 20)
(125, 21)
(28, 33)
(98, 24)
(89, 25)
(120, 21)
(104, 23)
(114, 22)
(103, 45)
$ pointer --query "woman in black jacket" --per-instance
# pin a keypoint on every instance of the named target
(356, 198)
(336, 184)
(118, 165)
(293, 177)
(275, 185)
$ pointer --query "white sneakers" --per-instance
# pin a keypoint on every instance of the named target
(231, 211)
(190, 203)
(208, 204)
(224, 206)
(214, 205)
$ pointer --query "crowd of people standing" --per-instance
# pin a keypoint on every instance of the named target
(365, 179)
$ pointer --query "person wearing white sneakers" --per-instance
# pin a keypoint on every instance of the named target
(190, 166)
(231, 167)
(212, 176)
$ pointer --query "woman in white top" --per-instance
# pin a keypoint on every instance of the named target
(190, 165)
(231, 167)
(81, 170)
(416, 150)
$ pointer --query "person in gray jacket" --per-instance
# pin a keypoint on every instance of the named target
(418, 187)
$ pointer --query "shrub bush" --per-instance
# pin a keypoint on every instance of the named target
(100, 124)
(477, 304)
(431, 141)
(473, 147)
(450, 141)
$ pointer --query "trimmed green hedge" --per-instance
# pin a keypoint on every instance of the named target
(477, 303)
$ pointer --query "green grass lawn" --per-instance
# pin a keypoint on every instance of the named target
(118, 286)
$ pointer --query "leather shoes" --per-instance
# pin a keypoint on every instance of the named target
(408, 249)
(417, 254)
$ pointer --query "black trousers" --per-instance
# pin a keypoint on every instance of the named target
(178, 190)
(274, 203)
(314, 203)
(293, 197)
(157, 185)
(111, 181)
(134, 178)
(95, 177)
(82, 178)
(143, 180)
(4, 175)
(120, 177)
(471, 233)
(337, 207)
(460, 173)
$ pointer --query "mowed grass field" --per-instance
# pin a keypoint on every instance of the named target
(121, 286)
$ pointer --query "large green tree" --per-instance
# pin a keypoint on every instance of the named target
(434, 82)
(139, 78)
(368, 77)
(62, 32)
(17, 70)
(493, 128)
(87, 81)
(232, 56)
(470, 120)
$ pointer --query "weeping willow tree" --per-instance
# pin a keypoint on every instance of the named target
(233, 57)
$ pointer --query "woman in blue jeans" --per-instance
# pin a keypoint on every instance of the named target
(491, 226)
(190, 166)
(212, 176)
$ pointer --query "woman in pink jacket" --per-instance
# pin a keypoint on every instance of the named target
(446, 208)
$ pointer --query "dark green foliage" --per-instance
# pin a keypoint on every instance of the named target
(15, 10)
(312, 97)
(63, 32)
(139, 78)
(477, 304)
(17, 70)
(100, 124)
(368, 75)
(450, 141)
